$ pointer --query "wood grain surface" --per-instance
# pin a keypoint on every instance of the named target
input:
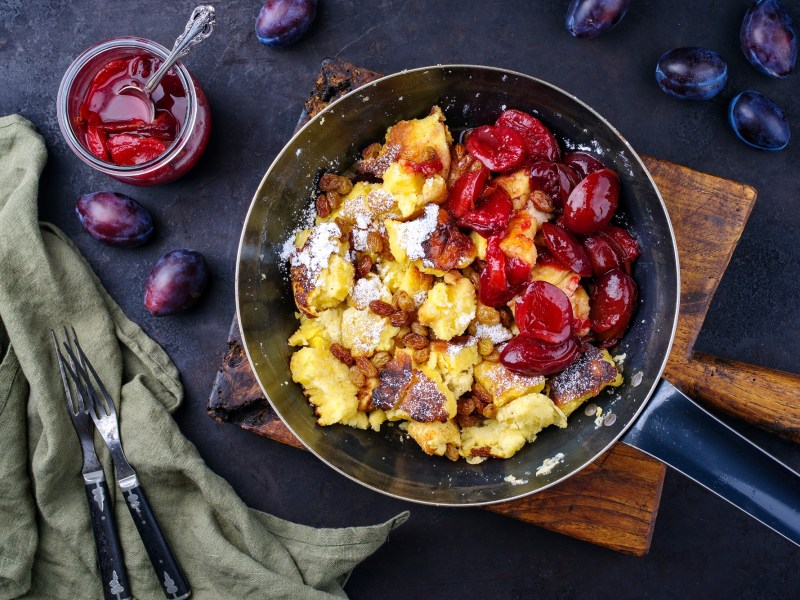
(708, 218)
(613, 502)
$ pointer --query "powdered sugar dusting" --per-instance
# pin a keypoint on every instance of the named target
(463, 320)
(413, 233)
(496, 333)
(366, 290)
(379, 200)
(316, 252)
(455, 348)
(288, 250)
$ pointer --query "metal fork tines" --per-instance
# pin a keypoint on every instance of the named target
(109, 550)
(102, 411)
(100, 406)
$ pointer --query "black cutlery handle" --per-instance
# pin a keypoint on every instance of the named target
(109, 551)
(166, 567)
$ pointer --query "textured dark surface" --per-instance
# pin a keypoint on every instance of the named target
(702, 547)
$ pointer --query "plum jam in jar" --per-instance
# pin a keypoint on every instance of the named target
(112, 131)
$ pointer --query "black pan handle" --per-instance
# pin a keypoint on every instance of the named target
(158, 551)
(109, 551)
(677, 431)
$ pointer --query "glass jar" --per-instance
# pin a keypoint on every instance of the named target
(190, 141)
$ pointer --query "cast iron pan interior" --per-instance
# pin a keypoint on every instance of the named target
(469, 96)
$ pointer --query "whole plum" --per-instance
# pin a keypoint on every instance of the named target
(175, 282)
(590, 18)
(283, 22)
(691, 73)
(114, 219)
(758, 121)
(768, 38)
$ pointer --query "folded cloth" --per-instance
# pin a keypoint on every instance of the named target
(46, 544)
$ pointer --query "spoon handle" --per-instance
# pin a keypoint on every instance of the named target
(199, 27)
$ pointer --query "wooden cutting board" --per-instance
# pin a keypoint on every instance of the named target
(614, 501)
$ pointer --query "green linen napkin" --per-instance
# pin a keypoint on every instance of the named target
(46, 545)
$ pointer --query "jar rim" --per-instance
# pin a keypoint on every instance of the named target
(65, 90)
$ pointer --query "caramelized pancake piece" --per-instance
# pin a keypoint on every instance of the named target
(412, 393)
(394, 378)
(418, 138)
(321, 275)
(505, 385)
(447, 248)
(584, 379)
(425, 401)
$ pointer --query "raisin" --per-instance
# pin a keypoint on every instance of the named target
(481, 393)
(490, 411)
(487, 315)
(323, 208)
(451, 452)
(374, 242)
(334, 200)
(542, 201)
(467, 420)
(380, 359)
(416, 341)
(404, 301)
(364, 365)
(330, 182)
(363, 266)
(420, 329)
(466, 405)
(342, 354)
(357, 377)
(485, 347)
(400, 318)
(379, 307)
(422, 355)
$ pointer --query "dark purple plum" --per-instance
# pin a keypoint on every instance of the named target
(768, 38)
(691, 73)
(175, 282)
(583, 163)
(114, 219)
(590, 18)
(283, 22)
(758, 121)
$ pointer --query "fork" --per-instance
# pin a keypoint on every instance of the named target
(109, 551)
(101, 408)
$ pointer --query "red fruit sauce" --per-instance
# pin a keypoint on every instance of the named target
(115, 126)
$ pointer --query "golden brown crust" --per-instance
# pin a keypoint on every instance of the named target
(302, 286)
(585, 378)
(405, 389)
(423, 400)
(483, 452)
(394, 378)
(447, 248)
(376, 166)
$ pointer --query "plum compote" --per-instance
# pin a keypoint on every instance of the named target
(551, 254)
(116, 127)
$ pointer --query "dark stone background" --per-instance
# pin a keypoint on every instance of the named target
(702, 546)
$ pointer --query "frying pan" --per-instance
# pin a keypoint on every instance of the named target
(650, 413)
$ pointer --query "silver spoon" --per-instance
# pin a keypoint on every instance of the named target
(199, 27)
